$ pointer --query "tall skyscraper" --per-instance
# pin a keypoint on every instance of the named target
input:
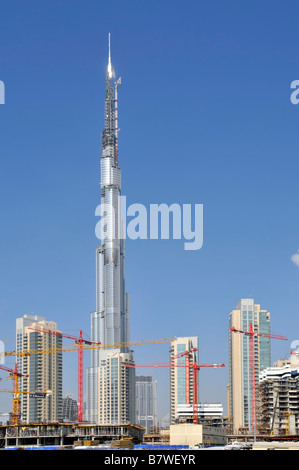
(146, 401)
(44, 370)
(110, 321)
(181, 378)
(239, 387)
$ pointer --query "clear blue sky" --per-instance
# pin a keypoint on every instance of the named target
(205, 117)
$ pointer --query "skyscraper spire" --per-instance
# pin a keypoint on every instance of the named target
(110, 131)
(109, 68)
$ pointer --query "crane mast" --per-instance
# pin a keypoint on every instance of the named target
(252, 334)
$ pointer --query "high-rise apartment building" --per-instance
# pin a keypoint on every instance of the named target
(181, 378)
(44, 369)
(116, 383)
(240, 403)
(110, 321)
(146, 401)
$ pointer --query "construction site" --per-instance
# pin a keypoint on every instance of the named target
(276, 404)
(70, 434)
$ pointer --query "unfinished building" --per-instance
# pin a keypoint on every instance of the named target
(279, 401)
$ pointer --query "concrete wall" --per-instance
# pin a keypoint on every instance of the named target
(192, 434)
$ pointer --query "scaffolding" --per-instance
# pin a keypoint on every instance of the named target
(279, 407)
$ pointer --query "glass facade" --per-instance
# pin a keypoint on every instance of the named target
(264, 343)
(247, 318)
(146, 402)
(178, 386)
(114, 385)
(181, 376)
(245, 314)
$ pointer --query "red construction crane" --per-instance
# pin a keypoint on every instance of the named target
(294, 352)
(187, 371)
(16, 411)
(14, 371)
(196, 367)
(80, 341)
(251, 333)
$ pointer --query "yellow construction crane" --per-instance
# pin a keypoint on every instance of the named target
(84, 347)
(15, 375)
(16, 405)
(16, 411)
(287, 415)
(34, 394)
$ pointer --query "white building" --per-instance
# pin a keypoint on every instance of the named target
(44, 369)
(116, 389)
(206, 411)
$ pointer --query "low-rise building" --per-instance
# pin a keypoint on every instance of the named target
(207, 413)
(197, 434)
